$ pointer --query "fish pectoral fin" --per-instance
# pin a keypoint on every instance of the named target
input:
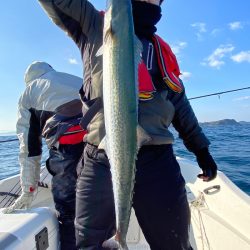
(102, 144)
(142, 137)
(99, 52)
(111, 243)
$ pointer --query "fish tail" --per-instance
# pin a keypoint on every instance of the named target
(115, 243)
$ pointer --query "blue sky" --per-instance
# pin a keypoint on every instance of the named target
(210, 38)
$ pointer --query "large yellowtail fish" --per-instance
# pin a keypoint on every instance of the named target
(121, 56)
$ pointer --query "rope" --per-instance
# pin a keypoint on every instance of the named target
(197, 204)
(218, 93)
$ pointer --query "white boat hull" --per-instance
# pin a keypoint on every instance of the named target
(220, 212)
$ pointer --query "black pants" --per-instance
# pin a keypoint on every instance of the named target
(159, 201)
(62, 165)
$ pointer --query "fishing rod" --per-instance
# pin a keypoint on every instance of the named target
(192, 98)
(218, 93)
(9, 140)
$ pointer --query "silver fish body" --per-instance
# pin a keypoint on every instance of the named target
(121, 56)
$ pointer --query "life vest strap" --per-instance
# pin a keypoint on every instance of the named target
(168, 64)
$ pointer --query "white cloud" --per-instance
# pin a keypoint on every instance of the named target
(201, 28)
(246, 106)
(215, 32)
(73, 61)
(185, 76)
(243, 98)
(215, 60)
(235, 25)
(178, 47)
(243, 56)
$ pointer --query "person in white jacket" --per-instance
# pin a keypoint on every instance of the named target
(50, 108)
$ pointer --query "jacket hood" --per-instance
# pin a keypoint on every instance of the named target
(36, 70)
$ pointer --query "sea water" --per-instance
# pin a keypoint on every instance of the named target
(230, 147)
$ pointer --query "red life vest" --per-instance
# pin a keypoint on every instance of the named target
(169, 70)
(73, 135)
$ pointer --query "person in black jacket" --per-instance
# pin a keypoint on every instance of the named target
(160, 199)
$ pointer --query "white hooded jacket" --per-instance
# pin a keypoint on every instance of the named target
(46, 90)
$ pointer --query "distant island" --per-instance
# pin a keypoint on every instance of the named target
(225, 122)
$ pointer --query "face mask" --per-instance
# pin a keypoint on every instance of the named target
(146, 16)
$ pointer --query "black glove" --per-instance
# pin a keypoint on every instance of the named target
(207, 164)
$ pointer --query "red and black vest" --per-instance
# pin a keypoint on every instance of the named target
(168, 67)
